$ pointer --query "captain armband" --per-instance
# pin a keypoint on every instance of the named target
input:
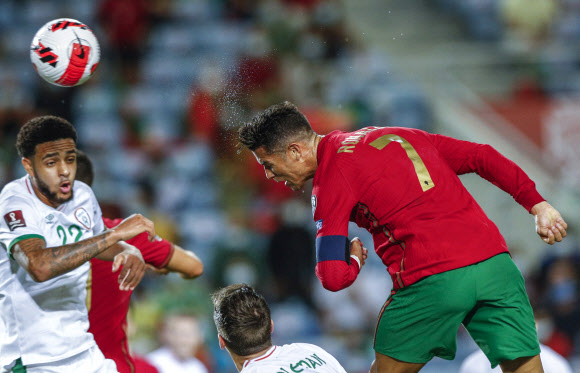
(332, 248)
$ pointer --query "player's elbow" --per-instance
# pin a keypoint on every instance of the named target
(39, 273)
(334, 287)
(193, 271)
(334, 275)
(329, 282)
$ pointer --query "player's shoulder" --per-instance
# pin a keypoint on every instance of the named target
(81, 187)
(82, 193)
(16, 192)
(15, 188)
(305, 347)
(409, 130)
(314, 354)
(406, 133)
(344, 142)
(331, 141)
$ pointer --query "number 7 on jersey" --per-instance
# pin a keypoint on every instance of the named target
(420, 169)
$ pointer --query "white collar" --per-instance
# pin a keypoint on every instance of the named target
(262, 357)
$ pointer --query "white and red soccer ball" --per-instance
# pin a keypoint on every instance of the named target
(65, 52)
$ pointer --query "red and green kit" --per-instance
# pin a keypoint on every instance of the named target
(402, 185)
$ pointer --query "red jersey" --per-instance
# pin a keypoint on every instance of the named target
(402, 186)
(108, 305)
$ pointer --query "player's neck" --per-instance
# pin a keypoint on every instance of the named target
(317, 139)
(240, 360)
(315, 142)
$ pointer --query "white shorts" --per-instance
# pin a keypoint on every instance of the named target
(89, 361)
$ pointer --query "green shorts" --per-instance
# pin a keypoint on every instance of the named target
(489, 298)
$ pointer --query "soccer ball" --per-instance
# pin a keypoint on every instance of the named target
(65, 52)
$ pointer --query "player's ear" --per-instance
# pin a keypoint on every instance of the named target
(222, 342)
(294, 151)
(27, 164)
(272, 326)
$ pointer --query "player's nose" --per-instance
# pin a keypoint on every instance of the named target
(64, 169)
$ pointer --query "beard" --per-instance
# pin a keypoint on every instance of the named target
(52, 196)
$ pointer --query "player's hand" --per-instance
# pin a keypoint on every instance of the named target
(132, 267)
(134, 225)
(356, 248)
(549, 223)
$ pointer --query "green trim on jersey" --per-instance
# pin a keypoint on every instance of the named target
(18, 367)
(21, 238)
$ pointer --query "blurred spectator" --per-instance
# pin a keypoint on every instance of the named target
(53, 100)
(551, 361)
(203, 116)
(233, 264)
(258, 72)
(528, 22)
(328, 26)
(290, 253)
(551, 336)
(126, 23)
(241, 10)
(562, 297)
(350, 315)
(181, 339)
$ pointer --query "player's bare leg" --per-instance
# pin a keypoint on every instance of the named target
(386, 364)
(528, 364)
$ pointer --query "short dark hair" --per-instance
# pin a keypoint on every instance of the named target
(40, 130)
(242, 318)
(274, 128)
(85, 172)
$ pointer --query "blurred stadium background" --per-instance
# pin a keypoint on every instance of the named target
(177, 77)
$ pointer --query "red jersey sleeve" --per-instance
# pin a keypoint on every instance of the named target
(332, 203)
(157, 253)
(465, 157)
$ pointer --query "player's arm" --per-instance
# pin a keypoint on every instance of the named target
(338, 262)
(44, 263)
(129, 259)
(185, 262)
(464, 157)
(467, 157)
(163, 256)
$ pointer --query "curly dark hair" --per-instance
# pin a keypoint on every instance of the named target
(40, 130)
(274, 128)
(242, 318)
